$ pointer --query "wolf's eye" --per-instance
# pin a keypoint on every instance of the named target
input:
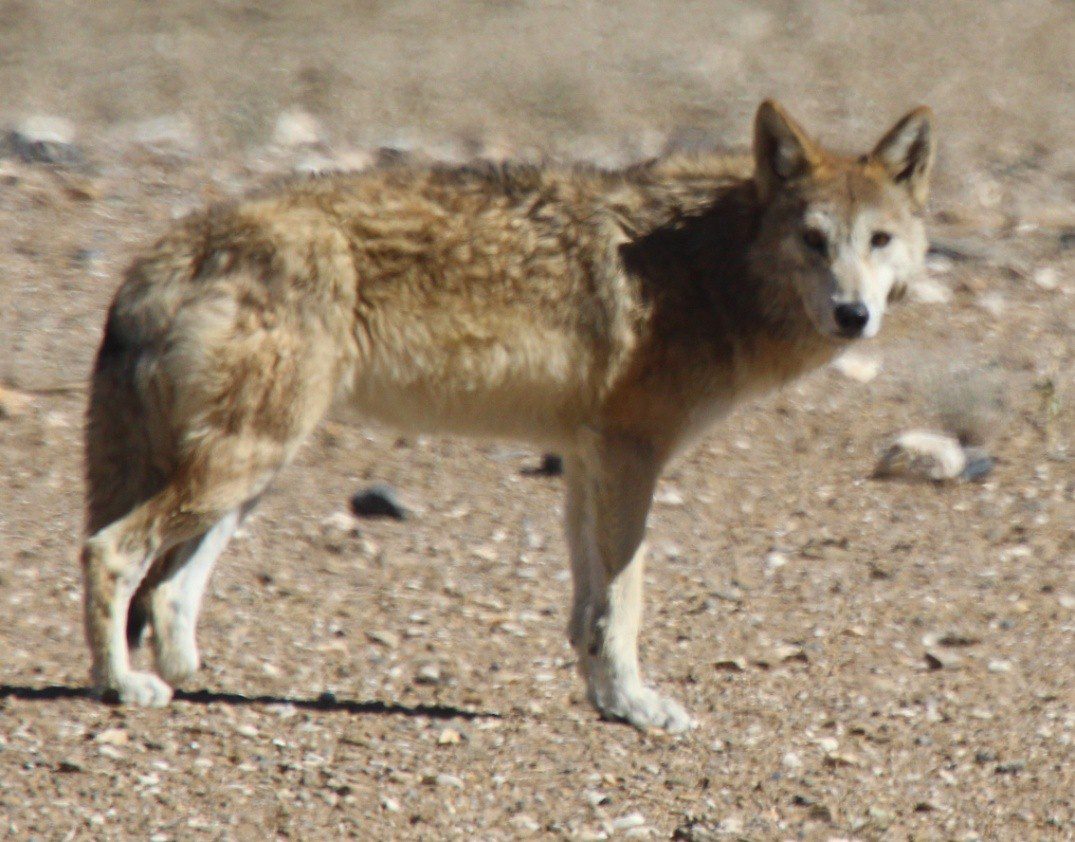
(880, 239)
(815, 240)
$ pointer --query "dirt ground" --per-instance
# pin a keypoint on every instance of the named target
(866, 659)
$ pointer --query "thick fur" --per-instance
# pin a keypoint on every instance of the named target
(608, 315)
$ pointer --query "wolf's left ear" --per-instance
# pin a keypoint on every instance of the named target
(907, 151)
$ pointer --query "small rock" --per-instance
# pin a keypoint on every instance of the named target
(941, 660)
(44, 139)
(993, 303)
(731, 664)
(920, 454)
(979, 464)
(881, 818)
(836, 759)
(1046, 277)
(390, 804)
(1000, 666)
(113, 737)
(668, 495)
(247, 730)
(428, 674)
(775, 560)
(378, 501)
(12, 403)
(791, 761)
(296, 128)
(521, 821)
(631, 820)
(551, 465)
(785, 652)
(449, 737)
(389, 640)
(340, 524)
(696, 830)
(444, 779)
(929, 291)
(858, 367)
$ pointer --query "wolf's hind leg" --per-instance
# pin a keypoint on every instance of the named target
(115, 559)
(609, 491)
(175, 602)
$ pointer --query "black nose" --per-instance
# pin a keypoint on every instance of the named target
(851, 318)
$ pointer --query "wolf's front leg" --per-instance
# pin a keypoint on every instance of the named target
(609, 488)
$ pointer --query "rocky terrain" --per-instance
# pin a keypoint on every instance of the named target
(868, 658)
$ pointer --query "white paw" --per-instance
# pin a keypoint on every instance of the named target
(142, 689)
(176, 660)
(644, 708)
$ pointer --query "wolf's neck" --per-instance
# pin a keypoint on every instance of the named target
(695, 271)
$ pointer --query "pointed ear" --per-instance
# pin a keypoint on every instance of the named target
(782, 149)
(906, 153)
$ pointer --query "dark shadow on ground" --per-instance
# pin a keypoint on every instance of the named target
(324, 702)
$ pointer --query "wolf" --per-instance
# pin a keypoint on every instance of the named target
(610, 316)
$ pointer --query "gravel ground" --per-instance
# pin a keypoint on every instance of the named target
(867, 659)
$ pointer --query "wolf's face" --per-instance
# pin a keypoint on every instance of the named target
(846, 232)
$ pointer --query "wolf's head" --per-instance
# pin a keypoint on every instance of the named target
(846, 231)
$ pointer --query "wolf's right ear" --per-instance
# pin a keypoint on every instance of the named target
(782, 149)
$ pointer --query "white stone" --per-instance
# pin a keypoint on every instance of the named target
(856, 366)
(929, 291)
(46, 128)
(921, 454)
(296, 128)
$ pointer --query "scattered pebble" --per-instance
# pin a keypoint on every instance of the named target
(925, 455)
(857, 366)
(113, 737)
(774, 560)
(389, 640)
(521, 821)
(551, 465)
(929, 291)
(44, 139)
(449, 737)
(296, 128)
(631, 820)
(937, 660)
(13, 404)
(340, 524)
(1046, 277)
(428, 674)
(993, 303)
(378, 501)
(668, 495)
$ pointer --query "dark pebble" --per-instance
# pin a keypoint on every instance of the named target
(378, 501)
(551, 466)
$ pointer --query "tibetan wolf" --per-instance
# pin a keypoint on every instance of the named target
(609, 316)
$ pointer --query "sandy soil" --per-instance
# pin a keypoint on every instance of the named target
(867, 659)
